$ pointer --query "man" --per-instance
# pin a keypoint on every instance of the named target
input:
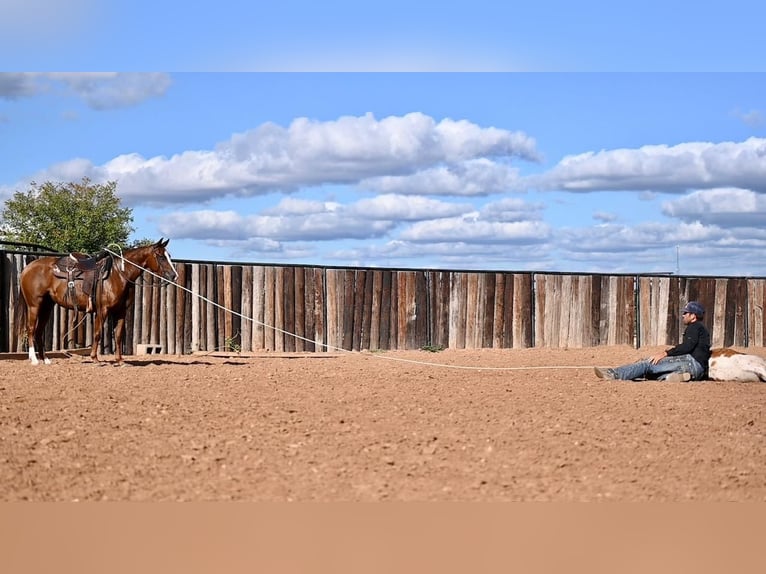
(684, 362)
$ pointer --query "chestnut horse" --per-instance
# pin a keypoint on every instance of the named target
(41, 288)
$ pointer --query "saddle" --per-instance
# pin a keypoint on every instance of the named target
(86, 268)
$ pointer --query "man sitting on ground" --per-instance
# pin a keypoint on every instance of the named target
(684, 362)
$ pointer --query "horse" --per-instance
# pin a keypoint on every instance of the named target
(730, 365)
(43, 283)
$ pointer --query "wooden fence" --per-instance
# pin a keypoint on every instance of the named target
(252, 307)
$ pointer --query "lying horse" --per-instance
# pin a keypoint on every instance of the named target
(731, 365)
(52, 280)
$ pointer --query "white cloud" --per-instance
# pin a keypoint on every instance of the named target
(604, 216)
(17, 85)
(205, 224)
(306, 220)
(663, 168)
(611, 238)
(474, 177)
(293, 206)
(511, 209)
(115, 90)
(449, 254)
(99, 90)
(321, 226)
(663, 247)
(297, 220)
(472, 229)
(752, 118)
(405, 208)
(726, 207)
(307, 153)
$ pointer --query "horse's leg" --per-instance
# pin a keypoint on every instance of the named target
(98, 326)
(36, 318)
(32, 311)
(43, 314)
(38, 314)
(119, 330)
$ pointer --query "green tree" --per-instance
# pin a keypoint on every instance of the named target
(67, 216)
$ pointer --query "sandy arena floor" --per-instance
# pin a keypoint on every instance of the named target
(510, 425)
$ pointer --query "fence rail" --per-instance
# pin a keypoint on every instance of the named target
(243, 307)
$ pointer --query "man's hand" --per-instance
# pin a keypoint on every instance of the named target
(658, 357)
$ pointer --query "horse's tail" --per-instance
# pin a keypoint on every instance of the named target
(20, 314)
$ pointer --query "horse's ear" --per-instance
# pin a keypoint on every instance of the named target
(165, 243)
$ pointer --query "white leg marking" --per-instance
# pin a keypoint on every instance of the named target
(33, 355)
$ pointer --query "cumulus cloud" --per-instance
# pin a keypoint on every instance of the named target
(449, 254)
(16, 85)
(292, 206)
(382, 207)
(227, 225)
(726, 207)
(472, 228)
(604, 217)
(506, 221)
(308, 220)
(752, 118)
(115, 90)
(511, 209)
(663, 248)
(404, 208)
(476, 177)
(611, 238)
(307, 153)
(662, 168)
(99, 90)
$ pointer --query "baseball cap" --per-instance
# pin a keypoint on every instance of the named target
(694, 307)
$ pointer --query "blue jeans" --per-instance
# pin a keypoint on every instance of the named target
(644, 369)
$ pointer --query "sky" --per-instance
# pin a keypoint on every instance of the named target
(497, 136)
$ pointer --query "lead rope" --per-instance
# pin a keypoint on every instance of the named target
(341, 350)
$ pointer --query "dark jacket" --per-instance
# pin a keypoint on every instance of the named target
(696, 342)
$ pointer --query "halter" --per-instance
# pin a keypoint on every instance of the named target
(122, 264)
(122, 259)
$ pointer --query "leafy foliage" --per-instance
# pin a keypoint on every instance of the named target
(67, 216)
(432, 348)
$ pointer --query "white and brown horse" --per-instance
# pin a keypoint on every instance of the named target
(42, 285)
(730, 365)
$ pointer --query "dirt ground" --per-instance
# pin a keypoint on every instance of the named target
(490, 425)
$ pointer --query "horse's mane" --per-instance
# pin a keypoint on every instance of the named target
(108, 260)
(108, 264)
(109, 256)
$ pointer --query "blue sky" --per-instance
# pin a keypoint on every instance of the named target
(588, 140)
(395, 35)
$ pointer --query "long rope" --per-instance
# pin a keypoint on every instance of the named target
(340, 349)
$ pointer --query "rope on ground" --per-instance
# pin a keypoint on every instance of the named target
(340, 349)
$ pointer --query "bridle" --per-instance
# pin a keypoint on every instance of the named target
(121, 267)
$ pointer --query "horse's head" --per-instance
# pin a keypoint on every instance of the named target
(159, 261)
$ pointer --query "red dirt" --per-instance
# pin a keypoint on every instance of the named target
(373, 426)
